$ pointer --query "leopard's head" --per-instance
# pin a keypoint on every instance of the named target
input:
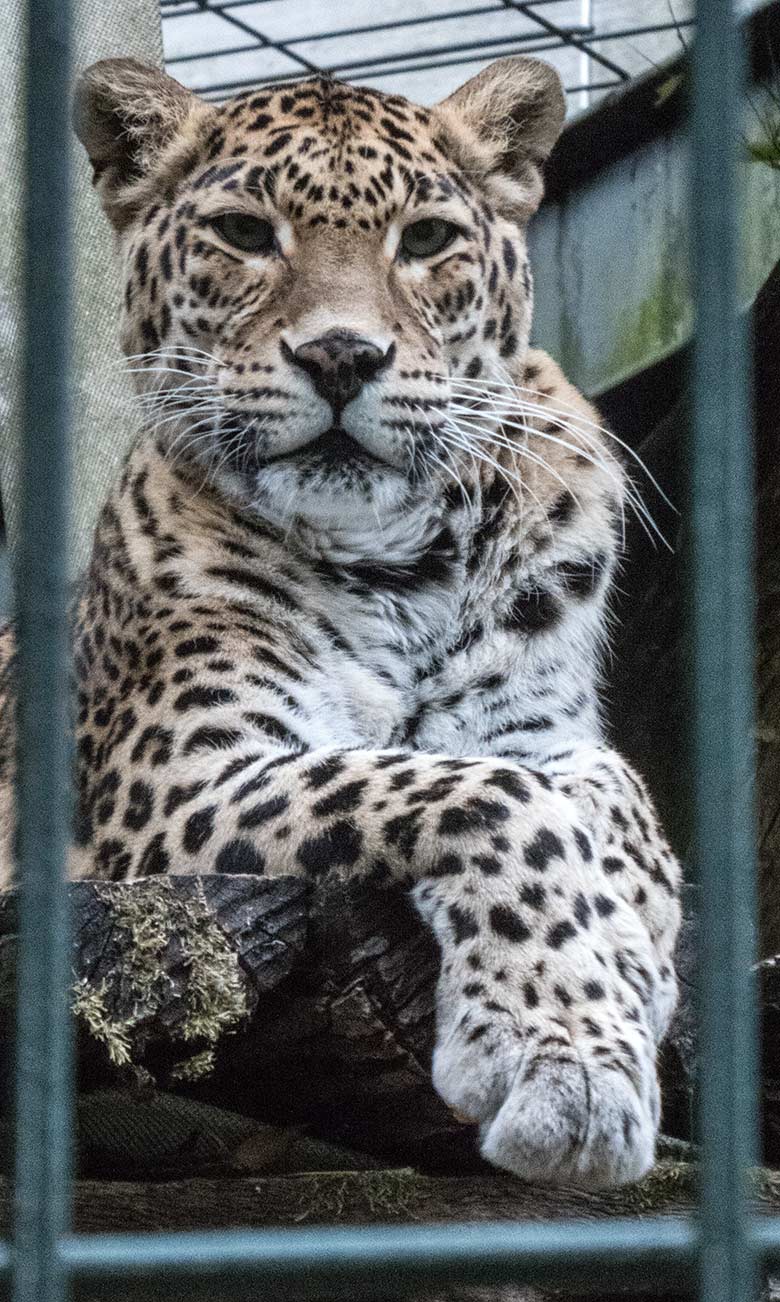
(315, 273)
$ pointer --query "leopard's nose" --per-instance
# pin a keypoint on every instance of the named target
(339, 363)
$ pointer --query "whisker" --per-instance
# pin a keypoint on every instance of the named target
(181, 352)
(548, 408)
(154, 421)
(513, 482)
(525, 452)
(200, 432)
(170, 397)
(506, 475)
(451, 471)
(163, 370)
(233, 442)
(633, 497)
(191, 382)
(622, 487)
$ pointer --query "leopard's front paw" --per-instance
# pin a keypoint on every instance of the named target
(549, 1043)
(570, 1121)
(556, 1102)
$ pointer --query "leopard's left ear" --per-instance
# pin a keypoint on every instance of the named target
(505, 121)
(127, 115)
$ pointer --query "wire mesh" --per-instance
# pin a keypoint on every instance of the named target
(419, 48)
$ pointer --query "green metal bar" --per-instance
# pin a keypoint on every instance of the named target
(765, 1237)
(42, 1044)
(434, 1255)
(723, 647)
(380, 1261)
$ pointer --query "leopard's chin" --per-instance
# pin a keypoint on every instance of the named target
(353, 496)
(334, 449)
(333, 481)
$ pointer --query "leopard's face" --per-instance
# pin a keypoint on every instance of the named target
(307, 272)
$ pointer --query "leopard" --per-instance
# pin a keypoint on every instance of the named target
(348, 603)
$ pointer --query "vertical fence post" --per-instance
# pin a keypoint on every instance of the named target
(42, 1065)
(722, 610)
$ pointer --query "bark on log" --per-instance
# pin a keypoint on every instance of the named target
(391, 1197)
(388, 1196)
(326, 1021)
(309, 1008)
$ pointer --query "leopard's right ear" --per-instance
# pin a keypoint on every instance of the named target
(127, 115)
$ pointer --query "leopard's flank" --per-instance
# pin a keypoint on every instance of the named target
(347, 603)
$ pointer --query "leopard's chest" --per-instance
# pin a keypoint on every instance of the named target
(367, 687)
(353, 705)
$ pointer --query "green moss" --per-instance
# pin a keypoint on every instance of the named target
(217, 995)
(325, 1195)
(669, 87)
(89, 1004)
(194, 1068)
(659, 318)
(765, 1184)
(671, 1182)
(151, 917)
(668, 1182)
(765, 147)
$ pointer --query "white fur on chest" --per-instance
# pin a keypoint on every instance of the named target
(468, 707)
(360, 698)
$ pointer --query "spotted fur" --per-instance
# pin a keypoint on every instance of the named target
(347, 602)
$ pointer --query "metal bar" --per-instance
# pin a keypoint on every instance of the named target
(409, 61)
(648, 29)
(526, 7)
(427, 19)
(723, 652)
(264, 41)
(586, 21)
(474, 49)
(576, 87)
(535, 42)
(229, 86)
(212, 8)
(764, 1235)
(383, 1261)
(371, 29)
(513, 1250)
(41, 1201)
(470, 48)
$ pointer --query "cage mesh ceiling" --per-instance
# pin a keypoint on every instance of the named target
(419, 48)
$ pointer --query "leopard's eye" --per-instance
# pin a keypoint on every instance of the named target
(431, 235)
(250, 234)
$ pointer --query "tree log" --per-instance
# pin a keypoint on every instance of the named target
(294, 1006)
(324, 1021)
(385, 1196)
(391, 1197)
